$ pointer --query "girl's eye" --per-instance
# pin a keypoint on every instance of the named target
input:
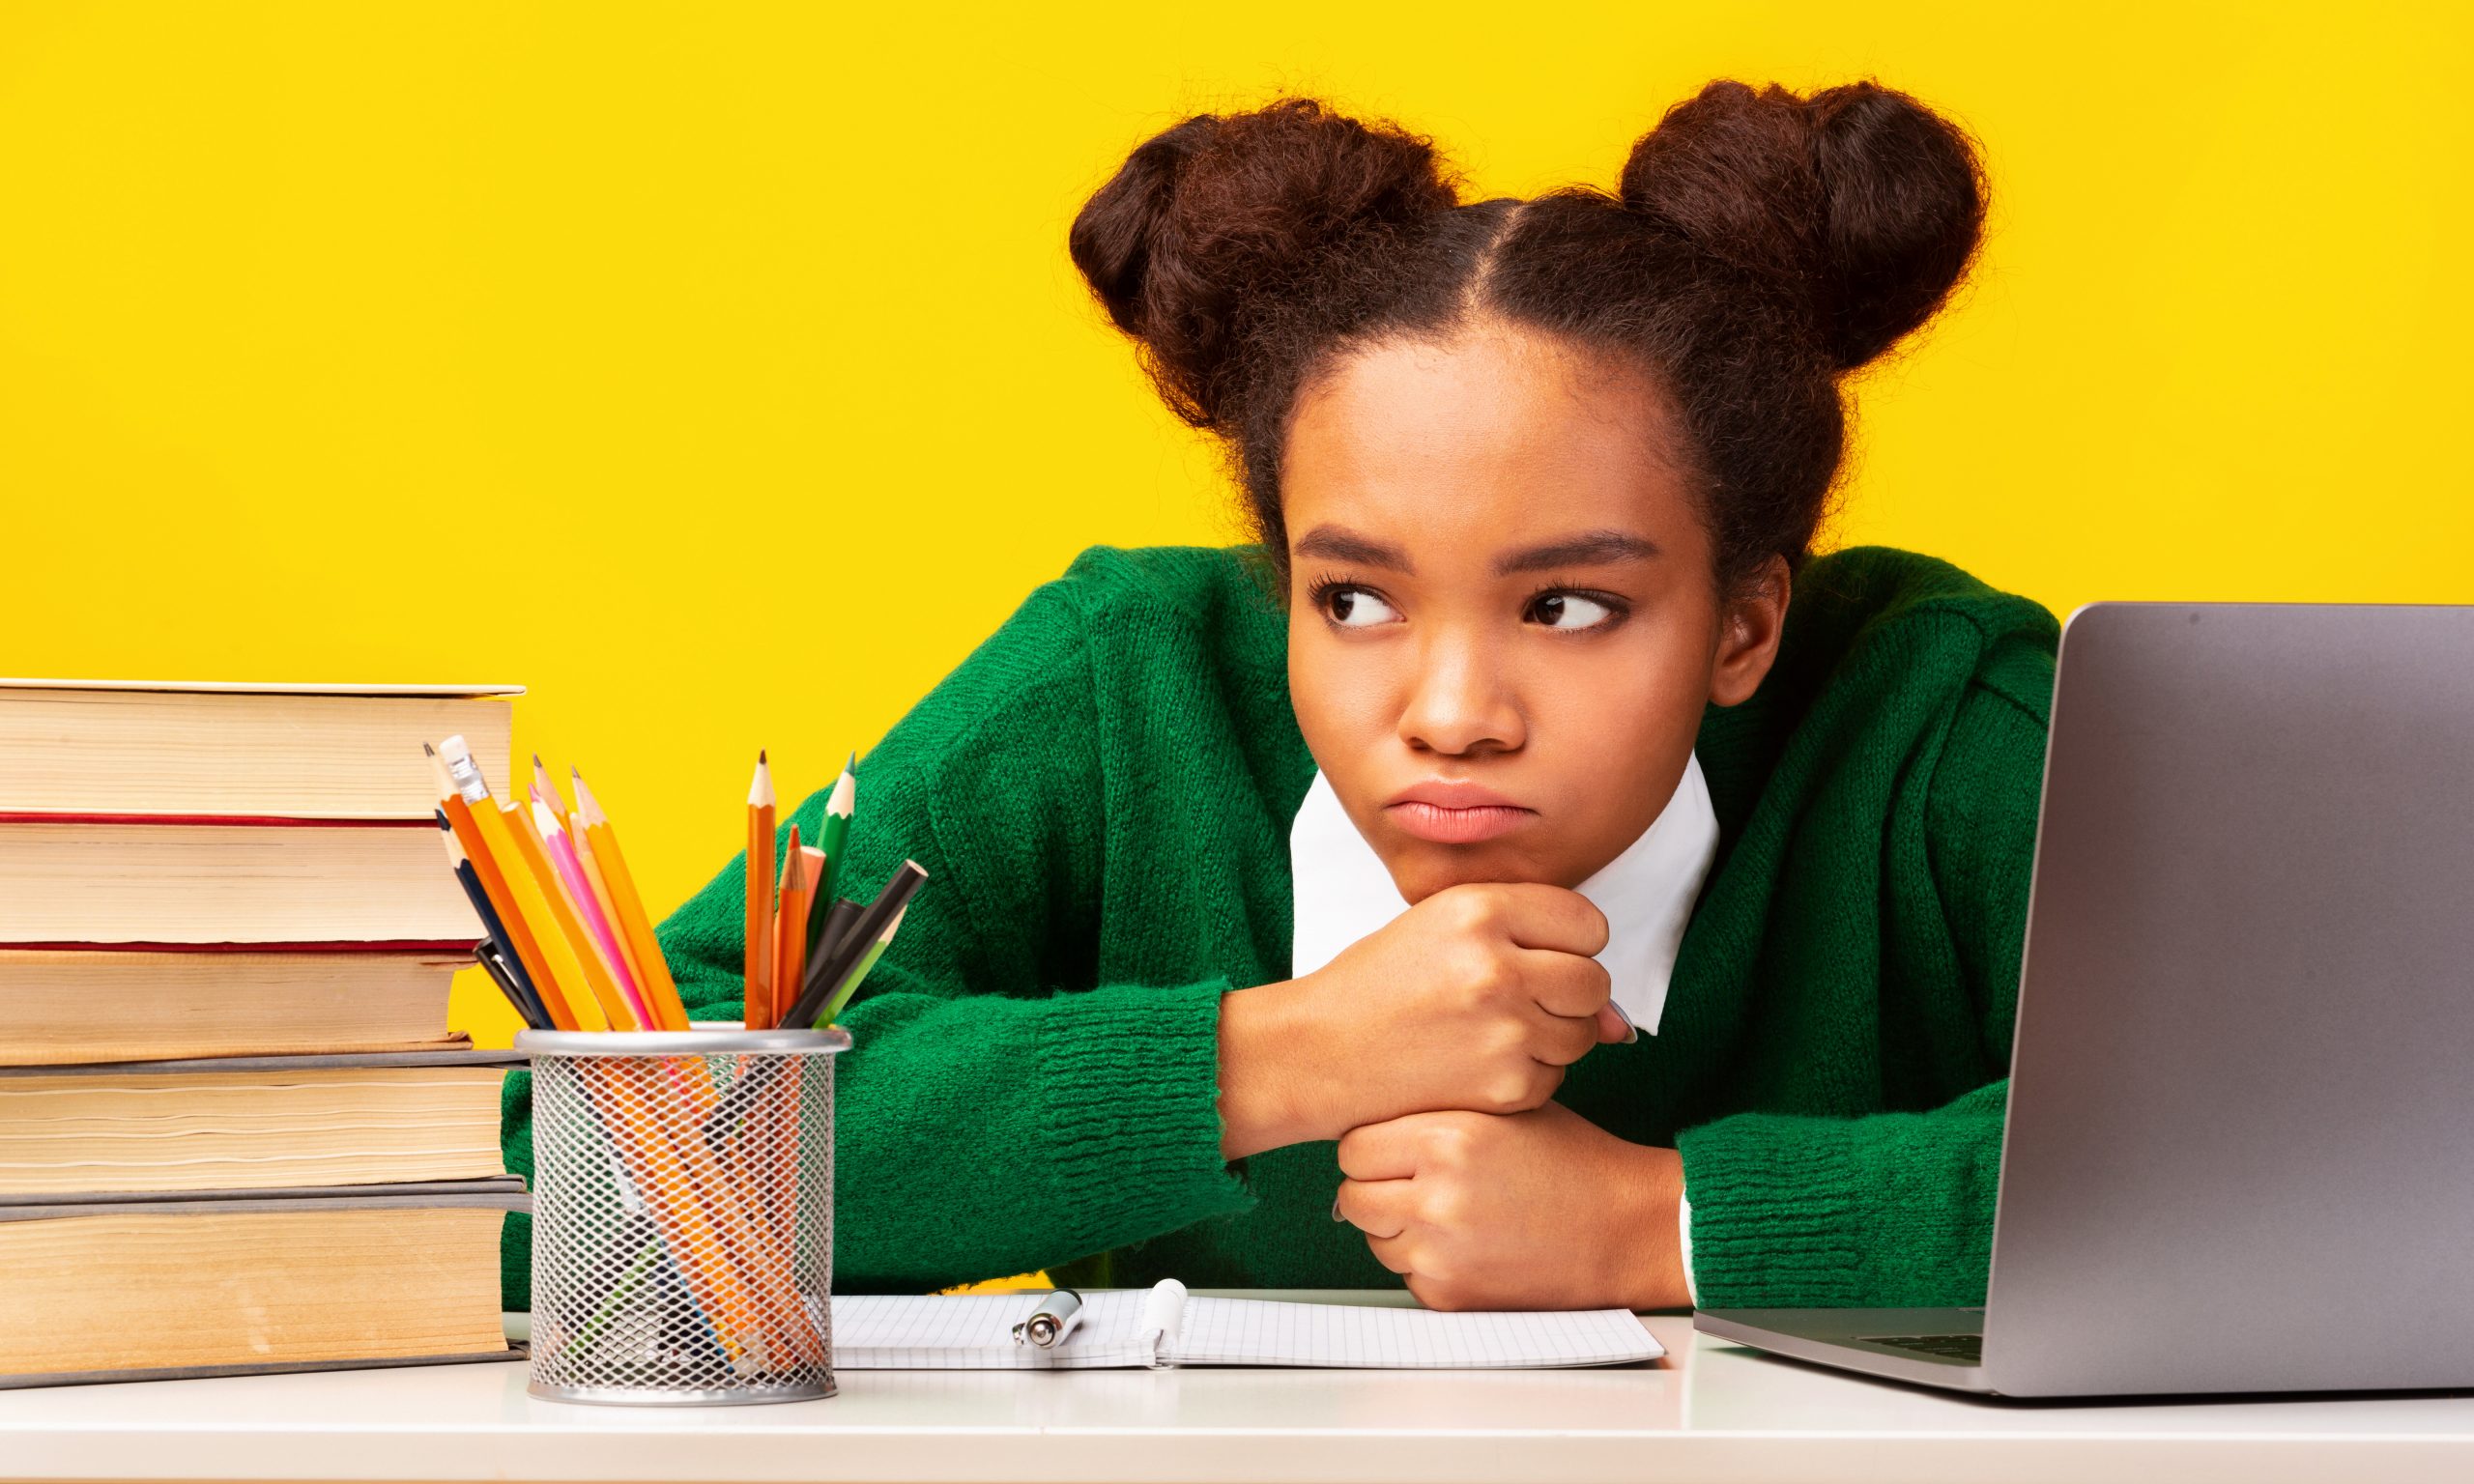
(1568, 610)
(1355, 607)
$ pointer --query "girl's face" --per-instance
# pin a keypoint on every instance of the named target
(1503, 623)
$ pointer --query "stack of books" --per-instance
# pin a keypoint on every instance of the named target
(236, 1131)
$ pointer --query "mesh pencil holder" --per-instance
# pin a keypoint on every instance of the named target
(682, 1216)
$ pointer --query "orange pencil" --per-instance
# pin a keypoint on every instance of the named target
(599, 884)
(697, 1234)
(758, 993)
(569, 924)
(790, 923)
(494, 885)
(486, 838)
(653, 970)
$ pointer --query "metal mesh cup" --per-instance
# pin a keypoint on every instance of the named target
(682, 1216)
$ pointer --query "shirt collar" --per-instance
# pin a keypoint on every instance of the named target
(1343, 891)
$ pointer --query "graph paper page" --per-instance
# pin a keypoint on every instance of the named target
(1258, 1331)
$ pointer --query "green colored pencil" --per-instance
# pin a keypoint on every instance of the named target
(858, 974)
(838, 809)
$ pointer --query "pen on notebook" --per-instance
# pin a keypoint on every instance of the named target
(1051, 1320)
(757, 982)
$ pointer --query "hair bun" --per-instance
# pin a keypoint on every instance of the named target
(1859, 199)
(1206, 213)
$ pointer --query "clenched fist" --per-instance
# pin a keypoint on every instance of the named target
(1476, 998)
(1540, 1209)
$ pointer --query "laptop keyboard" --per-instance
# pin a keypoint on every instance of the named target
(1968, 1348)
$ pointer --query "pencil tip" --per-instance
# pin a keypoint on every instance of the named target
(428, 751)
(759, 757)
(574, 771)
(851, 761)
(536, 760)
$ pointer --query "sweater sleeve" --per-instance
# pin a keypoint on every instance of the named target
(1894, 1209)
(1001, 1109)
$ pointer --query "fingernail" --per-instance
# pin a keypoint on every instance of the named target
(1631, 1032)
(1336, 1210)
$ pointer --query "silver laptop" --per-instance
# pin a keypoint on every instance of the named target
(2239, 1154)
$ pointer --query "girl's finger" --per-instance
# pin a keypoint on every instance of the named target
(1378, 1208)
(1385, 1151)
(1393, 1252)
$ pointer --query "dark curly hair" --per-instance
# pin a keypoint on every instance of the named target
(1760, 246)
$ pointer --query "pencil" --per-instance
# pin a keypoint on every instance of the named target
(837, 919)
(838, 809)
(557, 976)
(516, 987)
(567, 925)
(598, 883)
(652, 969)
(502, 972)
(545, 790)
(858, 972)
(828, 977)
(790, 923)
(757, 1013)
(819, 906)
(526, 949)
(890, 899)
(438, 775)
(605, 941)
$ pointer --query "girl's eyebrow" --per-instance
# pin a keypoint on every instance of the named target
(1590, 548)
(1339, 543)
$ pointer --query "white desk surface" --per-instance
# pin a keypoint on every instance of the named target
(1710, 1410)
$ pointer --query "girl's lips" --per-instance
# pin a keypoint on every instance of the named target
(1448, 826)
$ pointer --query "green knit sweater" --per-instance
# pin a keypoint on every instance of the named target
(1102, 793)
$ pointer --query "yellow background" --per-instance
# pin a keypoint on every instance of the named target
(717, 371)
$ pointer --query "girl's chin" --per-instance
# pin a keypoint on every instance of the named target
(1419, 869)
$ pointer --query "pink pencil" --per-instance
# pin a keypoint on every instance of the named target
(562, 854)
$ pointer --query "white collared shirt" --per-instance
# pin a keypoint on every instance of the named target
(1343, 892)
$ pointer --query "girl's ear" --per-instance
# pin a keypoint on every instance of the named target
(1749, 626)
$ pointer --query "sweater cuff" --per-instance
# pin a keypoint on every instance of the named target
(1129, 1090)
(1777, 1219)
(1885, 1210)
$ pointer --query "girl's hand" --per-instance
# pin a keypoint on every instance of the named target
(1478, 997)
(1541, 1209)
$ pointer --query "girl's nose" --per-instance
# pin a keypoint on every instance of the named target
(1461, 700)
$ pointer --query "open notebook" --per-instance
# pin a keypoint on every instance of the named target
(1165, 1326)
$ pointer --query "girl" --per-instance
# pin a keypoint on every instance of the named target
(1525, 872)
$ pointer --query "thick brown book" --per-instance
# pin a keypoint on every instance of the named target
(176, 748)
(129, 1291)
(249, 1123)
(131, 1005)
(68, 879)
